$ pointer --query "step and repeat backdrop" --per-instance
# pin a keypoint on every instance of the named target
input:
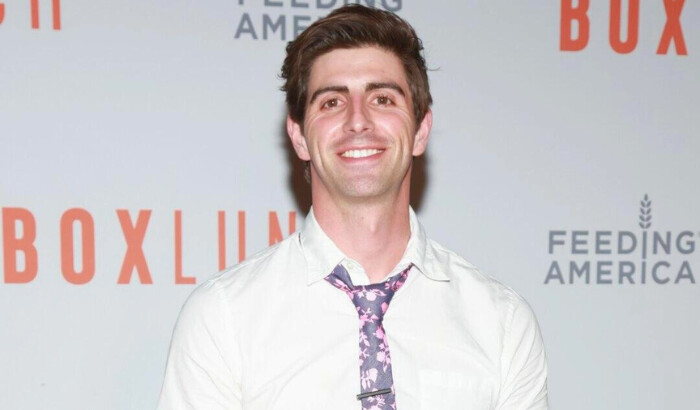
(142, 149)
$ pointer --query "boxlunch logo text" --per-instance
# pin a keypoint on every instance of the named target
(638, 257)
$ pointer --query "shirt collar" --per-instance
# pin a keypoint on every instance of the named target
(322, 255)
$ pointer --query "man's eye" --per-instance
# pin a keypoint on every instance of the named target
(332, 103)
(383, 100)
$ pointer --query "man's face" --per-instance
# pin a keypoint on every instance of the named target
(359, 132)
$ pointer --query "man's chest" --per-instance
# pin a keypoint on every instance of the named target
(304, 354)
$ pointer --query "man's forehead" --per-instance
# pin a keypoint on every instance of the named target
(360, 67)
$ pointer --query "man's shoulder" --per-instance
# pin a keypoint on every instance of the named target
(228, 298)
(471, 283)
(281, 262)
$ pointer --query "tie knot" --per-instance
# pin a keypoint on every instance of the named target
(371, 301)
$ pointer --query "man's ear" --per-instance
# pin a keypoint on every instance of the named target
(298, 140)
(421, 140)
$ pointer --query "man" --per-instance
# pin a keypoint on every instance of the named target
(280, 330)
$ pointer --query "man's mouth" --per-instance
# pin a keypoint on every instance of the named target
(360, 153)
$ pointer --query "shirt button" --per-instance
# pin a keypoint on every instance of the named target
(351, 266)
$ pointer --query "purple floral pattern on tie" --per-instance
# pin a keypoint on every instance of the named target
(371, 302)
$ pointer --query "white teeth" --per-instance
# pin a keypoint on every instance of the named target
(360, 153)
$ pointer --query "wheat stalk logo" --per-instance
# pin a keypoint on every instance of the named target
(645, 213)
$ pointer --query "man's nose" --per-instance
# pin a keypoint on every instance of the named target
(359, 118)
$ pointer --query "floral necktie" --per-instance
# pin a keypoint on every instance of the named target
(371, 302)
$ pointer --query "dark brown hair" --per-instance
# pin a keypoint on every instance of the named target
(353, 26)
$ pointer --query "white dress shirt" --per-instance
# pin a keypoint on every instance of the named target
(270, 333)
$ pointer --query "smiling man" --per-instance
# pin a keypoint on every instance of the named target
(280, 330)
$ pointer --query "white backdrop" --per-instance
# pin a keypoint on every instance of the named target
(539, 163)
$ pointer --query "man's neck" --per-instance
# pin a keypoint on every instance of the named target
(373, 234)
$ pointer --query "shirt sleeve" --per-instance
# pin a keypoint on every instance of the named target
(523, 362)
(203, 368)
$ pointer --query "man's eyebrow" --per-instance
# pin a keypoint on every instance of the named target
(330, 88)
(390, 85)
